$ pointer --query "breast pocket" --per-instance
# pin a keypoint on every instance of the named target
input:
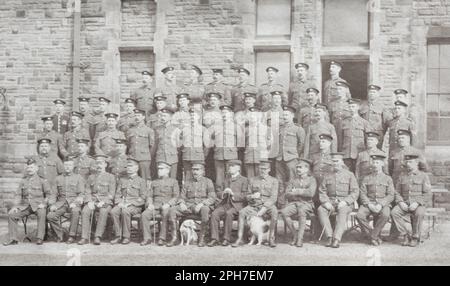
(102, 188)
(342, 188)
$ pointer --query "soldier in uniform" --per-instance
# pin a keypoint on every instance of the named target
(83, 105)
(300, 192)
(376, 195)
(373, 111)
(413, 109)
(337, 194)
(69, 199)
(218, 85)
(237, 92)
(297, 88)
(100, 192)
(55, 137)
(320, 126)
(182, 116)
(212, 114)
(363, 166)
(413, 194)
(400, 121)
(32, 197)
(231, 199)
(169, 88)
(339, 109)
(70, 144)
(154, 118)
(264, 91)
(118, 164)
(305, 116)
(163, 195)
(292, 140)
(129, 200)
(274, 119)
(60, 118)
(84, 164)
(262, 197)
(127, 120)
(96, 119)
(143, 96)
(197, 197)
(141, 144)
(193, 87)
(353, 130)
(330, 87)
(49, 167)
(321, 161)
(105, 143)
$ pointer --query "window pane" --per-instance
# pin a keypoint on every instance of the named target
(280, 60)
(433, 105)
(433, 81)
(445, 130)
(444, 56)
(345, 22)
(444, 80)
(444, 105)
(273, 17)
(433, 56)
(433, 129)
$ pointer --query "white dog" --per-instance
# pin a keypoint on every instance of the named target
(259, 229)
(187, 232)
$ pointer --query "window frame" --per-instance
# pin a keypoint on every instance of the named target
(281, 37)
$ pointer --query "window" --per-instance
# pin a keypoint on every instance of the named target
(273, 18)
(345, 23)
(438, 92)
(278, 59)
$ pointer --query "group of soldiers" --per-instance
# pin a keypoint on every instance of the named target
(220, 152)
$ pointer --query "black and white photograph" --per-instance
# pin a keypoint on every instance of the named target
(248, 133)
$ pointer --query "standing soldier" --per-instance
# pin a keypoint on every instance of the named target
(212, 114)
(412, 196)
(193, 87)
(264, 91)
(297, 88)
(197, 197)
(105, 143)
(49, 167)
(274, 120)
(163, 195)
(143, 96)
(321, 161)
(363, 166)
(400, 121)
(261, 198)
(218, 85)
(232, 197)
(127, 120)
(353, 130)
(182, 117)
(55, 138)
(292, 140)
(413, 109)
(300, 192)
(129, 201)
(237, 92)
(305, 116)
(141, 144)
(330, 87)
(32, 197)
(100, 191)
(374, 112)
(320, 126)
(339, 109)
(337, 194)
(60, 118)
(96, 120)
(118, 164)
(83, 105)
(70, 144)
(154, 118)
(376, 195)
(169, 88)
(84, 164)
(69, 199)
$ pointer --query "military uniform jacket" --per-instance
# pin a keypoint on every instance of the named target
(61, 123)
(181, 118)
(264, 98)
(257, 141)
(163, 191)
(312, 137)
(267, 187)
(330, 90)
(49, 167)
(322, 165)
(84, 165)
(153, 120)
(193, 142)
(400, 123)
(292, 139)
(239, 186)
(125, 122)
(273, 117)
(377, 188)
(413, 187)
(141, 141)
(169, 90)
(297, 92)
(96, 123)
(105, 141)
(57, 141)
(353, 136)
(396, 161)
(221, 88)
(32, 191)
(118, 166)
(143, 96)
(195, 192)
(101, 187)
(168, 139)
(131, 190)
(305, 117)
(376, 115)
(237, 95)
(301, 189)
(195, 91)
(223, 137)
(211, 117)
(68, 189)
(363, 166)
(70, 144)
(339, 186)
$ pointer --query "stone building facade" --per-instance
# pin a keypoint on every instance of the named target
(393, 43)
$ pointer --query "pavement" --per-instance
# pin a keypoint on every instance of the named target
(434, 251)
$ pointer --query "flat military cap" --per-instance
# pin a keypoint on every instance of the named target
(163, 164)
(101, 157)
(160, 98)
(234, 163)
(297, 65)
(321, 106)
(400, 103)
(83, 99)
(239, 70)
(353, 101)
(198, 163)
(312, 89)
(411, 156)
(120, 141)
(372, 134)
(377, 157)
(337, 154)
(326, 136)
(59, 101)
(250, 94)
(83, 140)
(46, 118)
(301, 161)
(132, 159)
(77, 114)
(400, 91)
(289, 108)
(217, 71)
(336, 63)
(146, 73)
(214, 94)
(30, 161)
(226, 107)
(139, 111)
(343, 83)
(183, 95)
(373, 87)
(197, 69)
(253, 109)
(44, 140)
(104, 99)
(264, 163)
(130, 100)
(276, 92)
(271, 69)
(111, 115)
(166, 69)
(404, 132)
(167, 110)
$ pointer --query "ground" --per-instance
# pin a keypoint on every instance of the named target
(434, 251)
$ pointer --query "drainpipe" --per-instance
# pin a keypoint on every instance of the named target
(76, 54)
